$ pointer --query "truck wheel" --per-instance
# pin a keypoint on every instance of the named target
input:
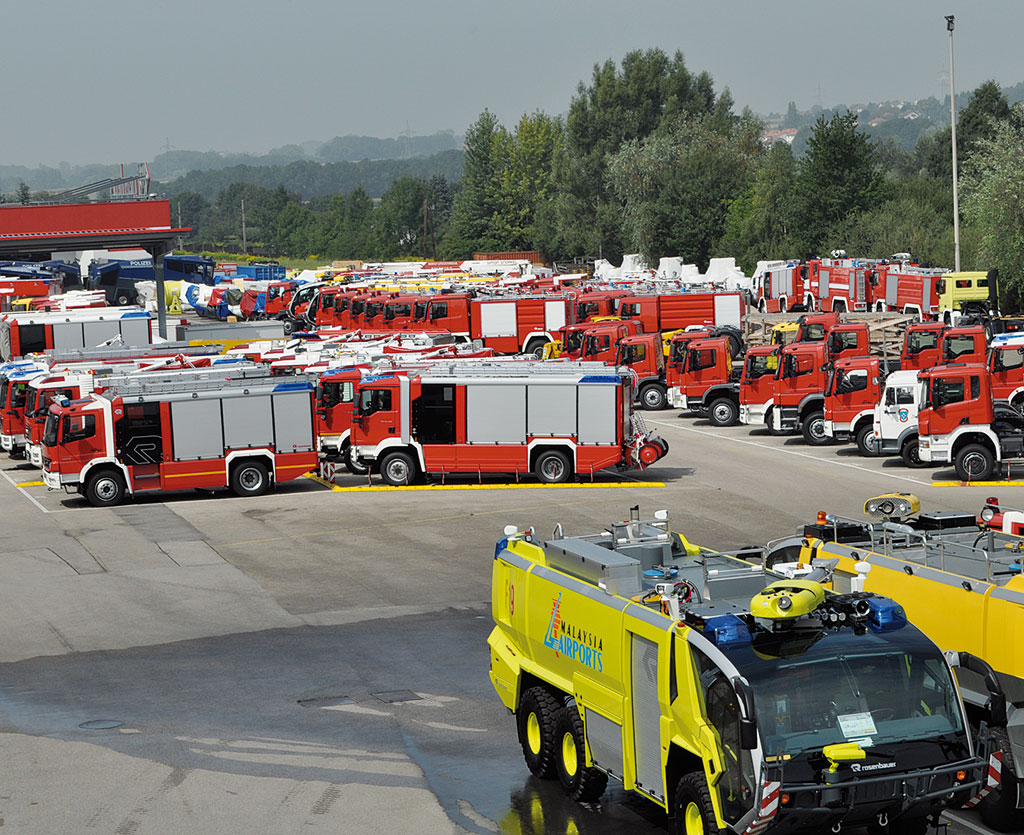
(813, 429)
(578, 781)
(249, 478)
(398, 469)
(866, 442)
(105, 489)
(653, 397)
(768, 422)
(122, 299)
(538, 710)
(552, 467)
(911, 454)
(694, 814)
(723, 412)
(974, 463)
(289, 327)
(351, 464)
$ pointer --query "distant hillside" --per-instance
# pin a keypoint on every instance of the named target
(314, 179)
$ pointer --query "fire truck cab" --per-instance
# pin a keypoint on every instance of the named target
(961, 423)
(710, 382)
(853, 390)
(895, 418)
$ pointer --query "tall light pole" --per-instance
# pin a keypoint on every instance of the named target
(952, 123)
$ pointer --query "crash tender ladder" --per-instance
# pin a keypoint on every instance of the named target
(256, 379)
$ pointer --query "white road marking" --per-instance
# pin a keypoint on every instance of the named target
(25, 493)
(369, 711)
(789, 452)
(441, 726)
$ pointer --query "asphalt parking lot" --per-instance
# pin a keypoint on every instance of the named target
(314, 660)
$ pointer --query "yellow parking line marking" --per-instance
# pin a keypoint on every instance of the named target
(31, 483)
(978, 484)
(386, 488)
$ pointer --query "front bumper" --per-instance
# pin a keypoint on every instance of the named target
(934, 448)
(6, 442)
(753, 413)
(35, 454)
(676, 398)
(52, 480)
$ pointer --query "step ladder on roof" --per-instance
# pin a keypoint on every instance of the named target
(195, 380)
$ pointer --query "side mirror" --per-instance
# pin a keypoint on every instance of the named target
(748, 722)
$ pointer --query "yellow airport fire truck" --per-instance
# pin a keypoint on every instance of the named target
(737, 697)
(960, 578)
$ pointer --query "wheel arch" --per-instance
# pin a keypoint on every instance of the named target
(538, 448)
(812, 403)
(974, 436)
(102, 465)
(239, 457)
(679, 763)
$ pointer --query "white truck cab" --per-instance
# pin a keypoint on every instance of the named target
(895, 420)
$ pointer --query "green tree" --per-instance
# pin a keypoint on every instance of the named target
(675, 187)
(24, 193)
(525, 181)
(836, 178)
(474, 206)
(758, 220)
(993, 203)
(986, 107)
(648, 91)
(397, 223)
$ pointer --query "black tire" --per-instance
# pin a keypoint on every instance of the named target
(535, 721)
(813, 429)
(105, 489)
(122, 300)
(768, 421)
(1018, 403)
(653, 397)
(351, 464)
(17, 453)
(289, 327)
(866, 441)
(398, 468)
(911, 454)
(724, 412)
(762, 306)
(579, 781)
(692, 809)
(552, 467)
(250, 478)
(974, 463)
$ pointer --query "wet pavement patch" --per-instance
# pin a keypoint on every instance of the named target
(393, 696)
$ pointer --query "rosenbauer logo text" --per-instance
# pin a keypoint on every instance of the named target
(572, 642)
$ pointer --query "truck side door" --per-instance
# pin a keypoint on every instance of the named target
(722, 712)
(377, 414)
(139, 445)
(1007, 370)
(899, 410)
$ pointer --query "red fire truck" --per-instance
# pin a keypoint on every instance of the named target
(710, 382)
(676, 361)
(961, 423)
(797, 400)
(905, 289)
(854, 388)
(644, 355)
(592, 304)
(675, 311)
(244, 430)
(757, 385)
(279, 294)
(782, 288)
(546, 419)
(839, 285)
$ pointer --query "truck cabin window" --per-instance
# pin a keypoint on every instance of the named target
(1008, 359)
(946, 392)
(77, 428)
(845, 341)
(374, 400)
(438, 310)
(761, 365)
(334, 393)
(919, 341)
(701, 358)
(958, 346)
(848, 382)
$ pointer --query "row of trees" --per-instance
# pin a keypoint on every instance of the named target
(651, 158)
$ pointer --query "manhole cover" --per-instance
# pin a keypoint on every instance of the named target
(101, 724)
(392, 696)
(326, 701)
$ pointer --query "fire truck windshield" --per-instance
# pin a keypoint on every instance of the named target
(586, 309)
(838, 692)
(573, 340)
(919, 341)
(758, 365)
(50, 430)
(420, 311)
(3, 393)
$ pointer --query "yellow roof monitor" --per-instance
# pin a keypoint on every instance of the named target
(892, 506)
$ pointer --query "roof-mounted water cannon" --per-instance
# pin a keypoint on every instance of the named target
(787, 600)
(893, 506)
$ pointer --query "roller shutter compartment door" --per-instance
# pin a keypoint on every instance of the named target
(67, 336)
(598, 415)
(293, 422)
(135, 331)
(551, 410)
(495, 414)
(197, 432)
(97, 333)
(248, 422)
(498, 319)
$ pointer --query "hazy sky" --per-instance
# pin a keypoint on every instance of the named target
(112, 80)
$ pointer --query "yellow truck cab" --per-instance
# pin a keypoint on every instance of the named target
(960, 578)
(966, 293)
(736, 697)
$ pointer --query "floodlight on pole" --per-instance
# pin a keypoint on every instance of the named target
(952, 123)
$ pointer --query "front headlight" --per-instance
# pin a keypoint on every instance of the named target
(987, 514)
